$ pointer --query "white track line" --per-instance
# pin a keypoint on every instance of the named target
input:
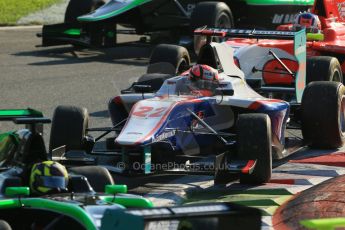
(20, 27)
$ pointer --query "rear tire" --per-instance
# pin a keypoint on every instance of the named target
(177, 56)
(211, 14)
(69, 127)
(323, 68)
(4, 225)
(77, 8)
(254, 143)
(97, 176)
(322, 115)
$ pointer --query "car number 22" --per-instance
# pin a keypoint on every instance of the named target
(148, 111)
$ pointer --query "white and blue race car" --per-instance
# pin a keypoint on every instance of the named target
(241, 129)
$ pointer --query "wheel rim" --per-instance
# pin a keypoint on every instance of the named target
(336, 76)
(342, 114)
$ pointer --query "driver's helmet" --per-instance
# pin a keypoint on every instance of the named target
(204, 79)
(309, 21)
(48, 177)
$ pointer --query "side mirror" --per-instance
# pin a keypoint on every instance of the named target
(114, 189)
(17, 191)
(142, 88)
(224, 91)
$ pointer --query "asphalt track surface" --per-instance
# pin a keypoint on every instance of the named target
(43, 78)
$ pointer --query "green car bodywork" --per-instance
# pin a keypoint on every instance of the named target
(70, 205)
(129, 5)
(9, 141)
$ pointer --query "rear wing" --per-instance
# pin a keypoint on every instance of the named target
(244, 33)
(33, 119)
(202, 216)
(10, 114)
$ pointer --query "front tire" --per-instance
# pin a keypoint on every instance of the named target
(323, 108)
(254, 143)
(177, 56)
(211, 14)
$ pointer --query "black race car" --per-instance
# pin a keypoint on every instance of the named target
(94, 22)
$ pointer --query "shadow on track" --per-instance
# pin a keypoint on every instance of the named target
(103, 114)
(128, 55)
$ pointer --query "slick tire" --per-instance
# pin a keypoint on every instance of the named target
(76, 8)
(322, 114)
(323, 68)
(211, 14)
(254, 142)
(97, 176)
(155, 80)
(177, 57)
(4, 225)
(69, 127)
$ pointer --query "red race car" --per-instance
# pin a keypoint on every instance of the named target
(330, 40)
(325, 47)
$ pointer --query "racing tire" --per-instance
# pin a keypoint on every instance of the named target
(323, 68)
(211, 14)
(4, 225)
(177, 56)
(254, 143)
(155, 80)
(97, 176)
(69, 127)
(76, 8)
(322, 114)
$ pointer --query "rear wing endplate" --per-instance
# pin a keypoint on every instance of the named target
(202, 216)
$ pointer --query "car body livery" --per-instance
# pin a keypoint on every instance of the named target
(237, 125)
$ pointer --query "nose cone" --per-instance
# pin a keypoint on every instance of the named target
(146, 119)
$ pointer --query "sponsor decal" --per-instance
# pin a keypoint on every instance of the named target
(283, 18)
(134, 133)
(165, 136)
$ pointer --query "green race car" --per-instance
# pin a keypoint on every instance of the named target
(86, 204)
(95, 23)
(116, 211)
